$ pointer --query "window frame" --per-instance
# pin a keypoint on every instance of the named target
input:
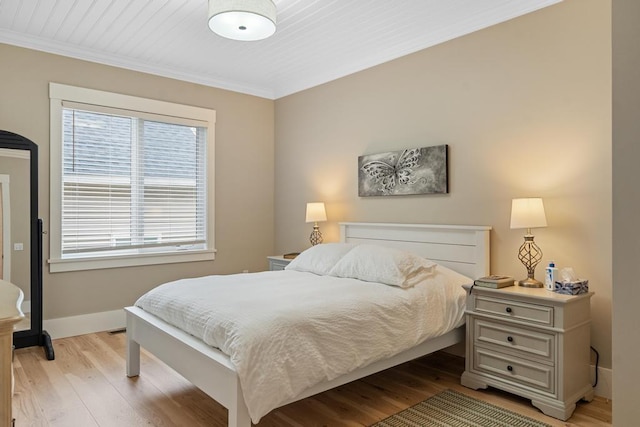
(59, 93)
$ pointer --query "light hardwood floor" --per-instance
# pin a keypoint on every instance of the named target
(86, 386)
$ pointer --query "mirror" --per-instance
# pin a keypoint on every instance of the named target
(14, 206)
(22, 234)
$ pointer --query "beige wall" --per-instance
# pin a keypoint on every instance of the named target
(525, 107)
(626, 211)
(243, 172)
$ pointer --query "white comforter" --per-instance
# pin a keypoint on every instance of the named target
(286, 331)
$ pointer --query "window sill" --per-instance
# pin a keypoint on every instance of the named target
(63, 265)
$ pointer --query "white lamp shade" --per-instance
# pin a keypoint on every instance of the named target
(245, 20)
(527, 213)
(316, 212)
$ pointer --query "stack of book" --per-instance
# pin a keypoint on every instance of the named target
(291, 255)
(494, 281)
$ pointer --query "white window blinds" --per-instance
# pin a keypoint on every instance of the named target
(131, 182)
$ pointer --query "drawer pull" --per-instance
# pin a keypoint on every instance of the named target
(510, 338)
(509, 368)
(509, 310)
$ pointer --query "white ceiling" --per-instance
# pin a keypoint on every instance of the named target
(316, 40)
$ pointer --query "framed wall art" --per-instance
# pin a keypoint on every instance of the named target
(404, 172)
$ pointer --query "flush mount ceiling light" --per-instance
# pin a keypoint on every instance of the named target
(246, 20)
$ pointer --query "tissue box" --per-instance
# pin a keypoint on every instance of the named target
(572, 288)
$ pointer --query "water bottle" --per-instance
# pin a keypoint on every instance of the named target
(550, 275)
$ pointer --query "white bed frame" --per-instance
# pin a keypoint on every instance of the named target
(464, 249)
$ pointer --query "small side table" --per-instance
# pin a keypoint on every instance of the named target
(277, 262)
(530, 342)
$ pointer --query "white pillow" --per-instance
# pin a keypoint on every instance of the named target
(320, 259)
(454, 278)
(380, 264)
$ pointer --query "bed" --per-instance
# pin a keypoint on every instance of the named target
(463, 249)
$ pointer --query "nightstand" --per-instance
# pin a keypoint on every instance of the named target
(277, 263)
(530, 342)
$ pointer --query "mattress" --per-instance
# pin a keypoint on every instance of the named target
(286, 331)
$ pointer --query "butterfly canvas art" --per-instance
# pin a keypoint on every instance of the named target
(404, 172)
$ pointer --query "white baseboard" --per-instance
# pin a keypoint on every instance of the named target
(85, 324)
(605, 382)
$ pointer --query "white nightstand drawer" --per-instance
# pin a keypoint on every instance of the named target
(509, 309)
(525, 342)
(522, 372)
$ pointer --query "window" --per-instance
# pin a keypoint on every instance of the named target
(129, 180)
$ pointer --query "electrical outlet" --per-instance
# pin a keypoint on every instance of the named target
(245, 271)
(18, 247)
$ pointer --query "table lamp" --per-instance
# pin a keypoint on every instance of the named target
(528, 213)
(315, 213)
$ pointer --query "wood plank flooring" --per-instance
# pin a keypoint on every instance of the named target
(86, 386)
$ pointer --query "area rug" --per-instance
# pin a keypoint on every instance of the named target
(452, 409)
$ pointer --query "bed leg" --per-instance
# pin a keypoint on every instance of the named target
(133, 358)
(238, 413)
(239, 420)
(133, 352)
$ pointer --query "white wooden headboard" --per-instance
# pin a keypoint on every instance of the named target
(462, 248)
